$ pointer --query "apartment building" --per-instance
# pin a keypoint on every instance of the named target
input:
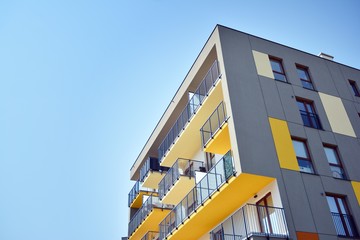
(261, 141)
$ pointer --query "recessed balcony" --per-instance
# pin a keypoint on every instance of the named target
(151, 173)
(148, 217)
(253, 221)
(179, 180)
(189, 122)
(135, 197)
(215, 133)
(151, 236)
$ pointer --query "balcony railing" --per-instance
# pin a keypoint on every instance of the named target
(202, 191)
(151, 203)
(134, 192)
(252, 220)
(190, 109)
(344, 225)
(151, 236)
(182, 167)
(151, 164)
(216, 120)
(310, 119)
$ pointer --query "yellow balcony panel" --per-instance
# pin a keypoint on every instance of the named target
(137, 202)
(220, 143)
(188, 142)
(152, 179)
(179, 190)
(150, 223)
(222, 203)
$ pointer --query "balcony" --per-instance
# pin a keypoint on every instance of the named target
(216, 196)
(151, 236)
(148, 217)
(250, 221)
(179, 180)
(310, 119)
(151, 173)
(136, 195)
(207, 85)
(215, 133)
(208, 185)
(344, 225)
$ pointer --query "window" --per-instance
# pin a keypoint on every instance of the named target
(303, 156)
(308, 114)
(264, 213)
(210, 160)
(343, 221)
(303, 73)
(334, 162)
(278, 69)
(354, 88)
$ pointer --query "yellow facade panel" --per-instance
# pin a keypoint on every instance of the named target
(262, 63)
(283, 144)
(356, 187)
(152, 180)
(337, 116)
(220, 144)
(177, 192)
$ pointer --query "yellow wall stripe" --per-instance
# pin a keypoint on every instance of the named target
(283, 144)
(263, 64)
(356, 187)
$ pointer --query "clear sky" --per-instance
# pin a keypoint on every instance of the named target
(83, 84)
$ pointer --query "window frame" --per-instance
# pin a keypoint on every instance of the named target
(344, 222)
(309, 159)
(307, 73)
(354, 88)
(310, 115)
(280, 62)
(337, 156)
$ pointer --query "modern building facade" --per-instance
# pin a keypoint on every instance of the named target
(261, 141)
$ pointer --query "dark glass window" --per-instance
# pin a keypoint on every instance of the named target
(308, 114)
(303, 73)
(354, 88)
(303, 156)
(343, 221)
(265, 213)
(278, 69)
(334, 162)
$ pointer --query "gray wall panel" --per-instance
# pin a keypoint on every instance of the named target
(298, 201)
(318, 204)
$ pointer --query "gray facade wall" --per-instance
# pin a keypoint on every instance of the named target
(254, 98)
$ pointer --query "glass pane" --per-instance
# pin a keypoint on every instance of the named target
(337, 172)
(279, 77)
(307, 85)
(331, 155)
(302, 74)
(301, 106)
(305, 166)
(309, 108)
(300, 149)
(275, 65)
(332, 204)
(342, 205)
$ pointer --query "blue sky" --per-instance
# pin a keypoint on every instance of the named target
(83, 84)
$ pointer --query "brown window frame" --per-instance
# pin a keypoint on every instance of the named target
(282, 73)
(339, 165)
(354, 87)
(260, 216)
(307, 73)
(304, 141)
(310, 113)
(345, 222)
